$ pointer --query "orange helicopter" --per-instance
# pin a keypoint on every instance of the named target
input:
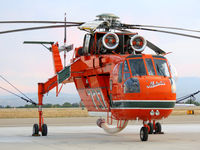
(112, 75)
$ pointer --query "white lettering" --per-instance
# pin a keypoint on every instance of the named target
(155, 84)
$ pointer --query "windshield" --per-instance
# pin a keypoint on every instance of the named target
(137, 67)
(126, 71)
(150, 67)
(161, 67)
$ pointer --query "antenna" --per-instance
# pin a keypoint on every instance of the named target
(65, 38)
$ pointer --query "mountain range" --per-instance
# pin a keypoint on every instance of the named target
(184, 85)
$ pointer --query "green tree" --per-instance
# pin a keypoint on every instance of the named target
(47, 106)
(8, 106)
(75, 105)
(67, 104)
(192, 101)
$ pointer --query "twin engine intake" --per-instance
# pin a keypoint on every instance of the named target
(110, 41)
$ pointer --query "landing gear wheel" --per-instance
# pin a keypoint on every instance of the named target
(144, 134)
(44, 130)
(158, 128)
(150, 127)
(35, 130)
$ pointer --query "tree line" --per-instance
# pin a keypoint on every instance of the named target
(72, 105)
(65, 105)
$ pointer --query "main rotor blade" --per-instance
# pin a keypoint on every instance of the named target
(156, 49)
(51, 22)
(37, 28)
(187, 96)
(152, 26)
(162, 31)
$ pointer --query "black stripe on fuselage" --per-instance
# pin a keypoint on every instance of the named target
(145, 104)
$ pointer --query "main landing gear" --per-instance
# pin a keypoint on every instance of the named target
(42, 127)
(44, 130)
(150, 128)
(144, 133)
(42, 89)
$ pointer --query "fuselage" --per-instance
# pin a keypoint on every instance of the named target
(129, 86)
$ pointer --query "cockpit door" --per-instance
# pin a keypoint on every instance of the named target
(116, 82)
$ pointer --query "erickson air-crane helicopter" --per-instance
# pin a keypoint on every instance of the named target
(112, 74)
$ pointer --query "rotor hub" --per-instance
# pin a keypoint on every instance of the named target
(110, 20)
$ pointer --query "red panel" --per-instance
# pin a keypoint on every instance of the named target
(142, 114)
(56, 58)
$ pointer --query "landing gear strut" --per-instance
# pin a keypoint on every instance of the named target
(41, 127)
(150, 127)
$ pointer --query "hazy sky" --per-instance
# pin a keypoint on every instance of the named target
(26, 65)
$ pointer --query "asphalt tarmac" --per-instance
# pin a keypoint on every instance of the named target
(180, 132)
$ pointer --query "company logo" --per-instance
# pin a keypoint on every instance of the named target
(155, 84)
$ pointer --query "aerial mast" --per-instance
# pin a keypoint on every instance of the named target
(65, 38)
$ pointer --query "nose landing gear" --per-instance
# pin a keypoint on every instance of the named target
(150, 128)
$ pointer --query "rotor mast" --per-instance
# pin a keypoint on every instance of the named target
(110, 20)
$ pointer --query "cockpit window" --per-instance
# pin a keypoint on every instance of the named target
(161, 67)
(126, 67)
(126, 71)
(137, 67)
(120, 73)
(150, 67)
(132, 85)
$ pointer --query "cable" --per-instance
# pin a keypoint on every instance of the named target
(27, 100)
(14, 87)
(10, 92)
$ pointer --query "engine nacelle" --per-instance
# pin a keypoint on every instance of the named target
(110, 40)
(138, 43)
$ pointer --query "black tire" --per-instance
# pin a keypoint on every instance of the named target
(150, 127)
(144, 134)
(44, 130)
(35, 129)
(158, 128)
